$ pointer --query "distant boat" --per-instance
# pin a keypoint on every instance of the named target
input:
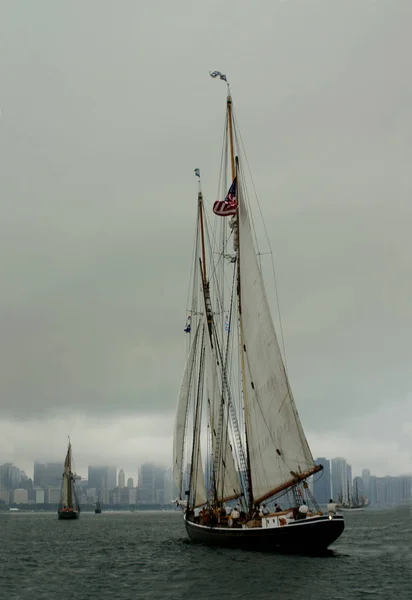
(98, 508)
(69, 507)
(355, 503)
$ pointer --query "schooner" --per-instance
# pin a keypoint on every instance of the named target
(239, 445)
(69, 507)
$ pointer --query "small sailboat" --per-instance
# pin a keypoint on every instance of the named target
(69, 507)
(98, 508)
(355, 502)
(235, 406)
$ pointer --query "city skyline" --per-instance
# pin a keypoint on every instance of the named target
(130, 463)
(133, 471)
(154, 486)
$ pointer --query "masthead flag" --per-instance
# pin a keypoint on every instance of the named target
(218, 74)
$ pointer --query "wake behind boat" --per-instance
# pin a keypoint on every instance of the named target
(235, 404)
(69, 507)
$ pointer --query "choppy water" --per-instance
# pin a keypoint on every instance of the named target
(147, 555)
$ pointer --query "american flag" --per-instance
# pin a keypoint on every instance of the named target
(231, 195)
(228, 206)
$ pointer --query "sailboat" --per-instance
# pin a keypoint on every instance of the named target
(69, 507)
(98, 508)
(239, 449)
(355, 503)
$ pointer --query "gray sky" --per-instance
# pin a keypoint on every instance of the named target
(106, 109)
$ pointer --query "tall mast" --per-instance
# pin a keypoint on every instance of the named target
(68, 476)
(242, 354)
(205, 282)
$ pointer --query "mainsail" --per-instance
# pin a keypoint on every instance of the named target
(277, 445)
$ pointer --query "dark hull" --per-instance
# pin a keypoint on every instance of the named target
(309, 536)
(97, 511)
(61, 514)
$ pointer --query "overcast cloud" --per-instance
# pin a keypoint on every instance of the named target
(106, 109)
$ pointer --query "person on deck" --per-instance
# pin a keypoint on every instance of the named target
(303, 511)
(331, 507)
(277, 508)
(235, 514)
(196, 515)
(265, 510)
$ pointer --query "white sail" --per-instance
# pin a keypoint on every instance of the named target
(276, 441)
(226, 477)
(198, 491)
(182, 409)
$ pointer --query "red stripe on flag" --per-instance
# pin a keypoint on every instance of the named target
(224, 209)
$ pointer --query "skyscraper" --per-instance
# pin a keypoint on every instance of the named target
(151, 484)
(47, 475)
(366, 478)
(321, 482)
(339, 478)
(349, 487)
(9, 477)
(121, 479)
(103, 479)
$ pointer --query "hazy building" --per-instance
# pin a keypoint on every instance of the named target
(103, 479)
(339, 478)
(4, 496)
(349, 488)
(36, 496)
(121, 479)
(130, 482)
(322, 482)
(47, 475)
(53, 495)
(145, 493)
(151, 484)
(20, 496)
(366, 478)
(170, 488)
(9, 477)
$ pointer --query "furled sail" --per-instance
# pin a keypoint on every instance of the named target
(182, 409)
(277, 445)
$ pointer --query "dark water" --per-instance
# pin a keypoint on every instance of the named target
(147, 555)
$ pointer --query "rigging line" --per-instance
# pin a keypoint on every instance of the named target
(223, 157)
(214, 265)
(268, 241)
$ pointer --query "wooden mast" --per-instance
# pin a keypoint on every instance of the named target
(68, 476)
(234, 165)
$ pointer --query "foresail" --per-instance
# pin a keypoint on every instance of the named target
(226, 477)
(277, 445)
(67, 461)
(182, 409)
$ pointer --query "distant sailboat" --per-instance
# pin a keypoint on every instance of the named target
(355, 503)
(235, 401)
(98, 508)
(69, 507)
